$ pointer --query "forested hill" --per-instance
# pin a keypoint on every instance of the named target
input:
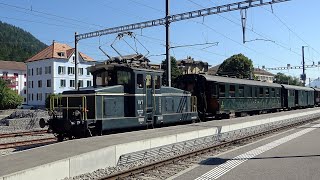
(17, 44)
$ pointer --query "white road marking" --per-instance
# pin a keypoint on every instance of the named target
(222, 169)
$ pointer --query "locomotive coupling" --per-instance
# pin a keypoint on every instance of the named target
(43, 123)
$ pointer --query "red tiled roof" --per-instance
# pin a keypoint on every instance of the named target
(12, 65)
(58, 51)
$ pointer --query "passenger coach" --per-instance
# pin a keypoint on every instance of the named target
(219, 96)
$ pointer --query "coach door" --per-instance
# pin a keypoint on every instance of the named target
(149, 94)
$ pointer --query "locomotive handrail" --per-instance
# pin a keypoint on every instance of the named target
(193, 103)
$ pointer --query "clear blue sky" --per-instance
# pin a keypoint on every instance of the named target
(60, 19)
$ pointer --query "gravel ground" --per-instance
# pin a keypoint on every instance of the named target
(5, 152)
(22, 120)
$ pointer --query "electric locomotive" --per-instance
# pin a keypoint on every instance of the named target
(126, 94)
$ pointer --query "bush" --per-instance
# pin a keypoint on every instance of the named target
(9, 99)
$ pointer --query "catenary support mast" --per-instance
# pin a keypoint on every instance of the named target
(168, 61)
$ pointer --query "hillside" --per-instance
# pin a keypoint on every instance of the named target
(17, 44)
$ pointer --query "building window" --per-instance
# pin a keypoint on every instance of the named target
(62, 83)
(32, 97)
(40, 71)
(25, 75)
(24, 99)
(71, 83)
(24, 91)
(89, 83)
(37, 71)
(47, 70)
(70, 70)
(39, 96)
(32, 72)
(29, 72)
(60, 54)
(31, 84)
(25, 83)
(61, 69)
(88, 73)
(48, 82)
(39, 83)
(80, 71)
(80, 83)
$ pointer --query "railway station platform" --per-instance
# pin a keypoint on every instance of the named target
(72, 158)
(292, 155)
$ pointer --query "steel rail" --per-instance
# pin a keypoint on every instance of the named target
(154, 165)
(24, 133)
(27, 143)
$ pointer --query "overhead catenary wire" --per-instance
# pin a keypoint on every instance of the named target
(48, 14)
(265, 38)
(290, 30)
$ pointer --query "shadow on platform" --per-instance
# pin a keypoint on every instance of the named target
(219, 161)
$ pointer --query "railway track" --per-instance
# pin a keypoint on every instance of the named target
(157, 167)
(27, 143)
(24, 133)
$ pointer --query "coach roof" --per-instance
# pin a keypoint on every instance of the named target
(297, 87)
(239, 81)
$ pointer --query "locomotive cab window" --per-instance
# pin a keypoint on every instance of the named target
(149, 81)
(140, 83)
(104, 79)
(157, 82)
(123, 77)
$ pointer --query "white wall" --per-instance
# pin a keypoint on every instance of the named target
(21, 79)
(55, 78)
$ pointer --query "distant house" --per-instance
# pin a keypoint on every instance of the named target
(190, 66)
(260, 74)
(52, 71)
(14, 73)
(263, 75)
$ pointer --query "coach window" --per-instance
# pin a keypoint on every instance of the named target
(267, 92)
(222, 90)
(272, 92)
(241, 91)
(157, 82)
(277, 93)
(232, 91)
(140, 81)
(261, 92)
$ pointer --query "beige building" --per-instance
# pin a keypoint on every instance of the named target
(263, 75)
(190, 66)
(260, 74)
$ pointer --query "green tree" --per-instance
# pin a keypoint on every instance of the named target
(17, 44)
(281, 78)
(237, 65)
(9, 99)
(175, 71)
